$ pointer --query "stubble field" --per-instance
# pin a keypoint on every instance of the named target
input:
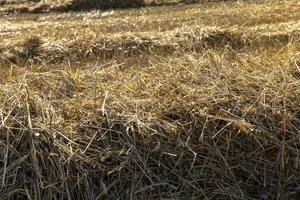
(172, 101)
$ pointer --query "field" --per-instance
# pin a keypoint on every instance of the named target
(167, 101)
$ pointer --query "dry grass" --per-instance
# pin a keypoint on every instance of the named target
(202, 104)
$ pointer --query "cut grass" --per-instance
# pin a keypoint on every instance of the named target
(185, 111)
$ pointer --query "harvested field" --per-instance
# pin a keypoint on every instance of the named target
(173, 101)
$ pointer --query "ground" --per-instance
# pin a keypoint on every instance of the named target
(173, 101)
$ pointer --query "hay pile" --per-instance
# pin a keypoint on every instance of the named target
(197, 126)
(193, 113)
(166, 43)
